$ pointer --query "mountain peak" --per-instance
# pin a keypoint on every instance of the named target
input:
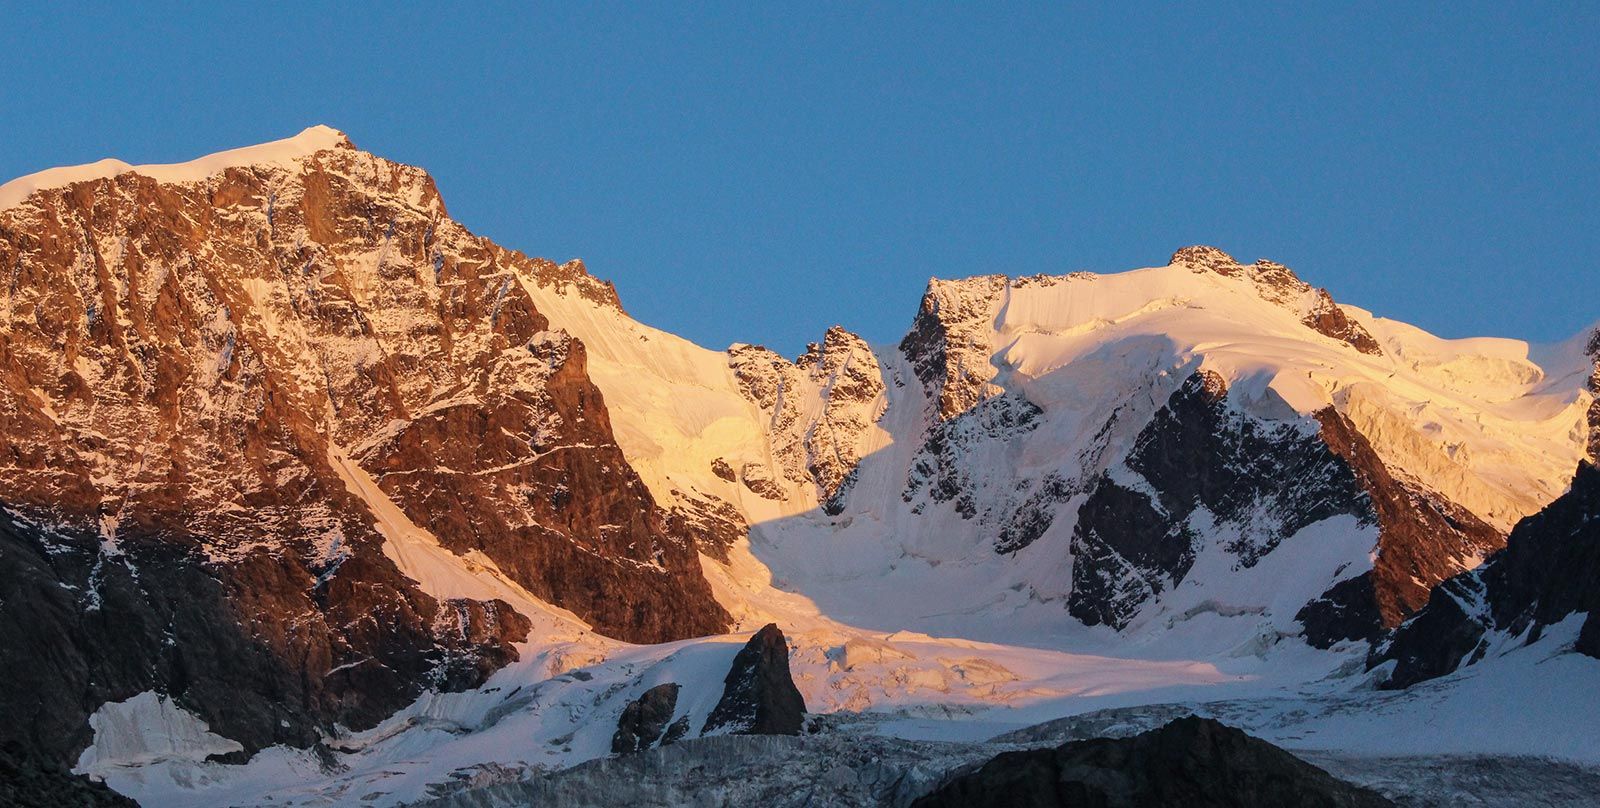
(309, 141)
(1201, 256)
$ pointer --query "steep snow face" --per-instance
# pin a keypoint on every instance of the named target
(148, 729)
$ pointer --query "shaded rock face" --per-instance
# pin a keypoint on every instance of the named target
(1198, 457)
(1191, 761)
(254, 648)
(27, 781)
(645, 721)
(948, 345)
(180, 367)
(1278, 283)
(1545, 574)
(1422, 536)
(942, 470)
(818, 406)
(758, 694)
(1269, 480)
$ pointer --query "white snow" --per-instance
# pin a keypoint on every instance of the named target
(284, 153)
(148, 729)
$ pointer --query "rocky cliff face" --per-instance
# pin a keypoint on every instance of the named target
(1199, 458)
(1201, 466)
(948, 345)
(818, 409)
(1545, 574)
(194, 378)
(29, 782)
(1423, 538)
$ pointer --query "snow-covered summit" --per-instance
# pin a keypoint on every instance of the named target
(278, 152)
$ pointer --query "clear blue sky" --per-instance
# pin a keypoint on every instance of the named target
(749, 172)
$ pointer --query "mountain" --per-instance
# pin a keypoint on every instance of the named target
(282, 440)
(296, 471)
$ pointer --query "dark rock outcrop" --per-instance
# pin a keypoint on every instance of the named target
(27, 781)
(1269, 479)
(645, 720)
(758, 694)
(1545, 574)
(1191, 762)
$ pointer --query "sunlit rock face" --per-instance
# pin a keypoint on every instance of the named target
(195, 375)
(1545, 575)
(818, 408)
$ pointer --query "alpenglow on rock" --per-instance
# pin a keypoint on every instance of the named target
(1547, 573)
(283, 440)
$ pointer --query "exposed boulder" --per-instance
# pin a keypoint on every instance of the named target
(1191, 762)
(758, 694)
(645, 720)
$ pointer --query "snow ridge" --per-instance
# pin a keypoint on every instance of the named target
(282, 153)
